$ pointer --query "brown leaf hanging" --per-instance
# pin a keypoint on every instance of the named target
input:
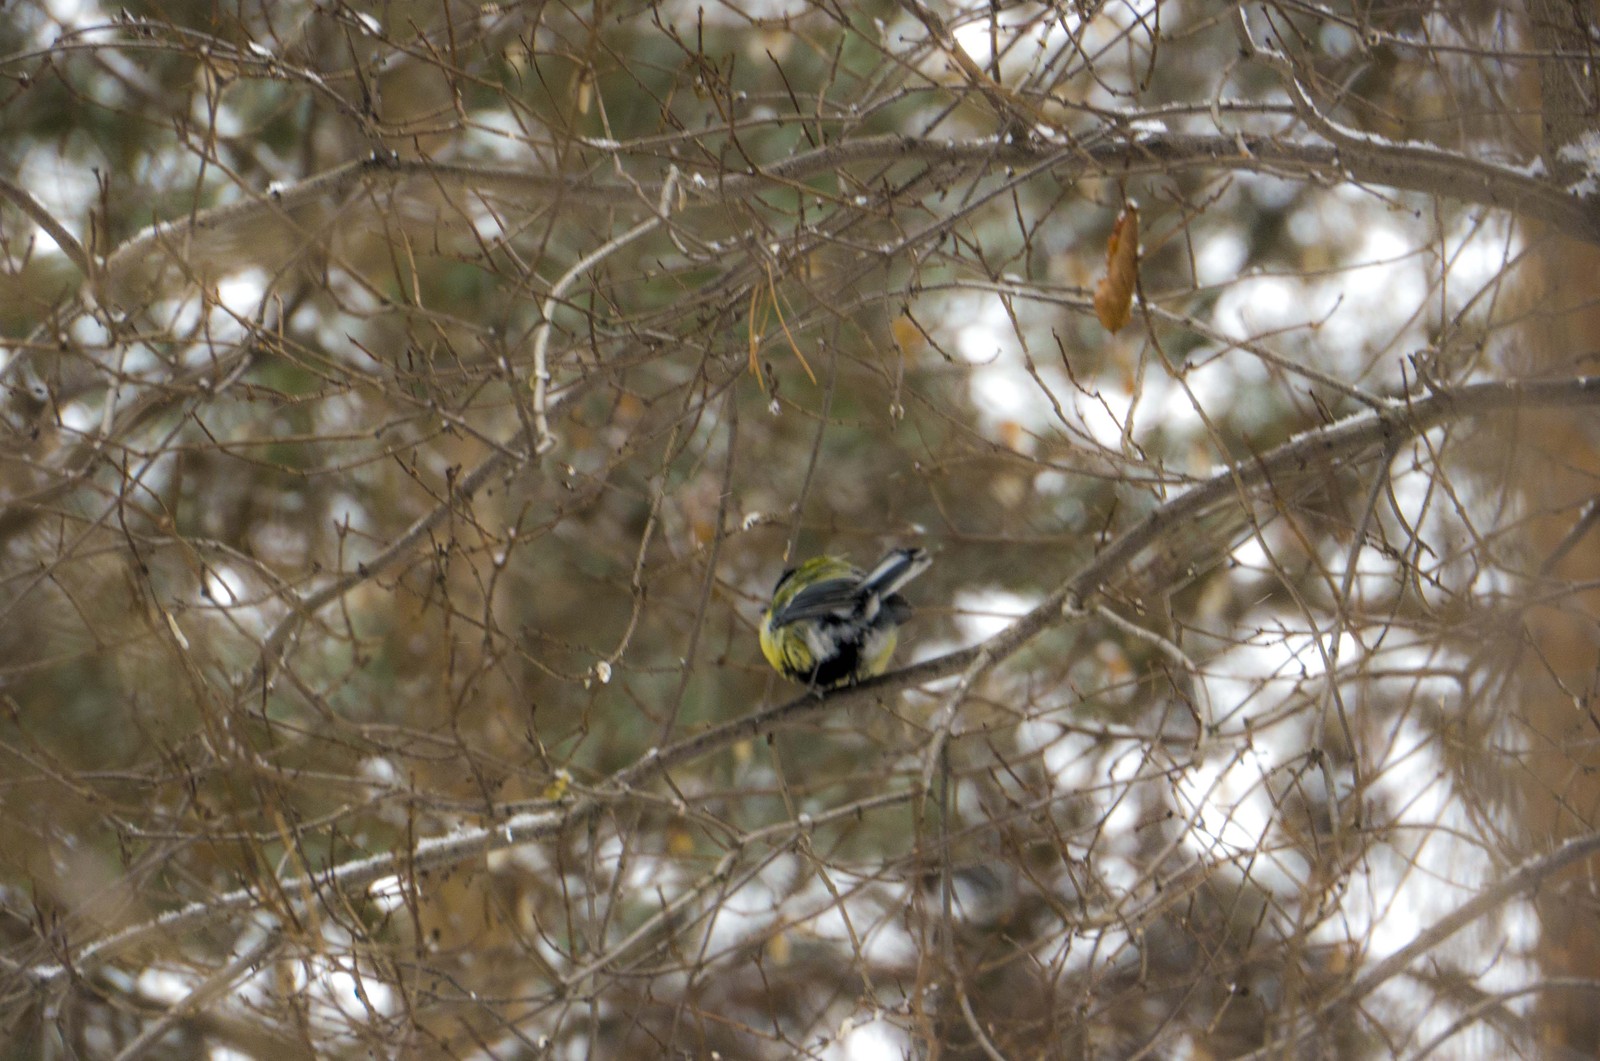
(1113, 295)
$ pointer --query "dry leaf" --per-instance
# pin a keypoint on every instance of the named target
(1113, 295)
(758, 324)
(907, 336)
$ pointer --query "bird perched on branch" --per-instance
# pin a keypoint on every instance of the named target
(831, 624)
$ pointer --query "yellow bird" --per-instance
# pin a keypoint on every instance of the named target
(831, 624)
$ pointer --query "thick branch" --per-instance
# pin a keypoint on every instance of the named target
(1569, 80)
(231, 233)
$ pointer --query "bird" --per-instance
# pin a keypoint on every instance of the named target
(831, 624)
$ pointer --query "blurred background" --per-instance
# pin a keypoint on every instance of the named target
(408, 409)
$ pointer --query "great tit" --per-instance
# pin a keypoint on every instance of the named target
(830, 624)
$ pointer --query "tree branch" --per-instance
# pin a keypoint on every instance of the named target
(1525, 878)
(1569, 80)
(232, 233)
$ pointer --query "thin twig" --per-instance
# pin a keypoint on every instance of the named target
(944, 722)
(1194, 690)
(545, 441)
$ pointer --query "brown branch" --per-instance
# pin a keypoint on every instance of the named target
(1569, 80)
(23, 200)
(1354, 157)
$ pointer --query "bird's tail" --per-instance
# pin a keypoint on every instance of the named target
(895, 570)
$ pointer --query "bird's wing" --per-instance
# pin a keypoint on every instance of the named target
(836, 597)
